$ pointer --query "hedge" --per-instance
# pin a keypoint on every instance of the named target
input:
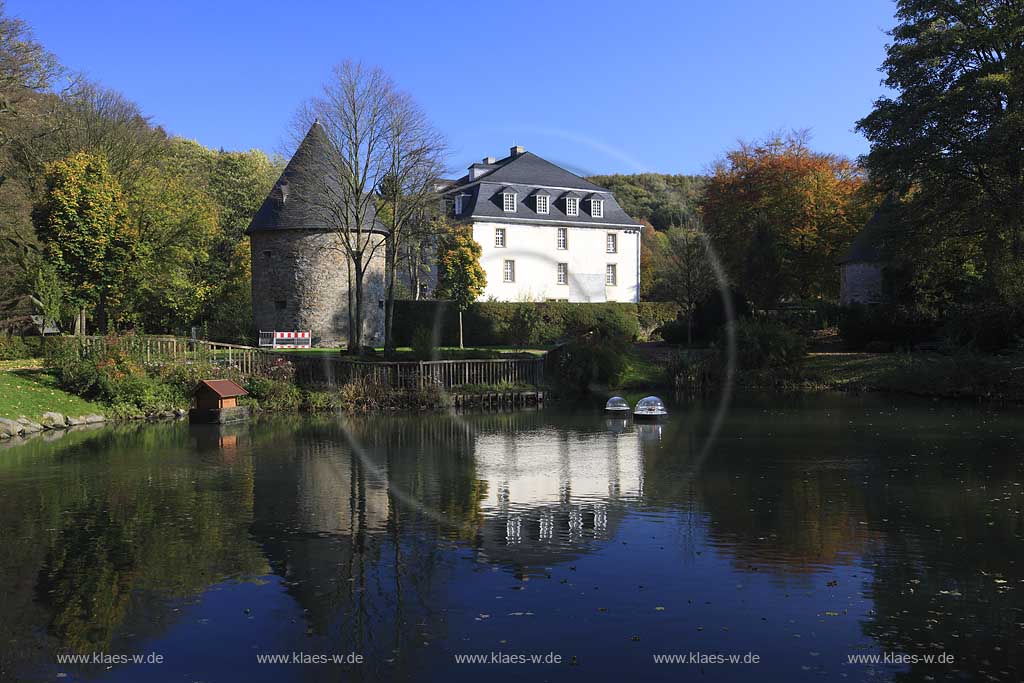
(499, 323)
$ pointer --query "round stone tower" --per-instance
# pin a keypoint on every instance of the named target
(300, 271)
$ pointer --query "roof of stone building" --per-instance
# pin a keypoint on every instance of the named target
(301, 198)
(528, 175)
(868, 245)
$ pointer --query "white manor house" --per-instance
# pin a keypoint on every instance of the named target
(546, 234)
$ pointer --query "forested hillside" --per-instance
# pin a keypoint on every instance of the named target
(101, 210)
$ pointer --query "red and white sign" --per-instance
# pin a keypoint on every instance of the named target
(292, 340)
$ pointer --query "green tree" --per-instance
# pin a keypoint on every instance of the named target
(50, 294)
(950, 140)
(83, 223)
(460, 277)
(689, 273)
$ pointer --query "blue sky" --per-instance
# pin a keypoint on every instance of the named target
(598, 87)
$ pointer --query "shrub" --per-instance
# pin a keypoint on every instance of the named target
(767, 344)
(423, 343)
(521, 326)
(899, 326)
(14, 347)
(596, 355)
(653, 315)
(982, 327)
(273, 394)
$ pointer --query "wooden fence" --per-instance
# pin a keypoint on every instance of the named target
(317, 369)
(440, 373)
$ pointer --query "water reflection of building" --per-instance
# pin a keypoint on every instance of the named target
(550, 493)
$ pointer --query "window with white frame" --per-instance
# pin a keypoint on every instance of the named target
(611, 275)
(562, 241)
(458, 204)
(597, 208)
(508, 271)
(611, 243)
(499, 237)
(543, 203)
(572, 206)
(509, 199)
(563, 273)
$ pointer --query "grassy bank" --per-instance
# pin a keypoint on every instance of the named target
(977, 376)
(34, 392)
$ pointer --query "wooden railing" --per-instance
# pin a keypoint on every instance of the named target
(316, 369)
(441, 373)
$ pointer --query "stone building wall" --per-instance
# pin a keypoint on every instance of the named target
(860, 283)
(300, 282)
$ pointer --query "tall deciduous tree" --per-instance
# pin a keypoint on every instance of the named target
(83, 223)
(460, 277)
(808, 205)
(951, 139)
(414, 164)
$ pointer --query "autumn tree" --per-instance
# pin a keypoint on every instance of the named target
(950, 142)
(460, 277)
(83, 223)
(807, 205)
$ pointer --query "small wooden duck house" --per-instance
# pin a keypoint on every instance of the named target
(216, 401)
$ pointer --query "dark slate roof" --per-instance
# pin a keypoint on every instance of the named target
(288, 206)
(527, 174)
(869, 244)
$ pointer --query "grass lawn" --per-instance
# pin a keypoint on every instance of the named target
(34, 392)
(982, 376)
(645, 368)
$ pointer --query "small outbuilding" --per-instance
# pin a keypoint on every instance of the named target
(216, 401)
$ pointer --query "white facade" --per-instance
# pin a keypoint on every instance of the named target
(535, 254)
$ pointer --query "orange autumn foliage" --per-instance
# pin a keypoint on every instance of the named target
(780, 215)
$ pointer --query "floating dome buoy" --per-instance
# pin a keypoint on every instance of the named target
(651, 406)
(616, 404)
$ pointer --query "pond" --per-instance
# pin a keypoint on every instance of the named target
(809, 537)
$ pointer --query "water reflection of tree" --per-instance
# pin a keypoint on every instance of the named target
(122, 512)
(950, 575)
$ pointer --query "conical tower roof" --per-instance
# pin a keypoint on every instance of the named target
(292, 203)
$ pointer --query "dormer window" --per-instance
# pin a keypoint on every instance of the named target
(597, 208)
(458, 204)
(543, 204)
(508, 201)
(572, 206)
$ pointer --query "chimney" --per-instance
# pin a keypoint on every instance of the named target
(516, 150)
(489, 160)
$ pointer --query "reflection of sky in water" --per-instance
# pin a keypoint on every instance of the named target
(813, 530)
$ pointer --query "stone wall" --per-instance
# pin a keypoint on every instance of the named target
(300, 282)
(860, 283)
